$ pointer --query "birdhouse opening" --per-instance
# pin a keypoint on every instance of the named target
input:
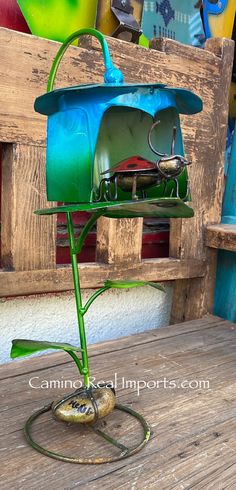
(123, 149)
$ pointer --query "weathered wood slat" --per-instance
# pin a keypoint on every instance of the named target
(178, 365)
(93, 275)
(42, 387)
(193, 430)
(27, 59)
(28, 241)
(213, 339)
(171, 461)
(24, 68)
(221, 236)
(23, 366)
(119, 241)
(205, 146)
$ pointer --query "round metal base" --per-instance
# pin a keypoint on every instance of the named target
(125, 451)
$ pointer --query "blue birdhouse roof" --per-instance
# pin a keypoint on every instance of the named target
(185, 101)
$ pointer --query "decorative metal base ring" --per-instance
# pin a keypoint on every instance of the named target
(125, 451)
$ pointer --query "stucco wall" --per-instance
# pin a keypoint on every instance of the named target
(114, 314)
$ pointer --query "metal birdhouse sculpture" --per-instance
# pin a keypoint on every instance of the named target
(114, 149)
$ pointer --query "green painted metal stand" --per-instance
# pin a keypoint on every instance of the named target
(83, 366)
(71, 179)
(125, 451)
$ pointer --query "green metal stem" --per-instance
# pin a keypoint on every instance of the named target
(76, 360)
(93, 297)
(78, 299)
(79, 243)
(89, 31)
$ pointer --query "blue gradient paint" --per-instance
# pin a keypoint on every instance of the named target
(74, 120)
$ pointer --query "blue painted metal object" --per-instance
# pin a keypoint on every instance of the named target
(174, 19)
(212, 7)
(87, 123)
(229, 202)
(225, 304)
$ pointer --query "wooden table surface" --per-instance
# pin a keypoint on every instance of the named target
(193, 442)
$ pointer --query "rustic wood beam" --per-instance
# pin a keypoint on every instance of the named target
(28, 241)
(25, 65)
(119, 241)
(205, 145)
(221, 236)
(93, 275)
(24, 68)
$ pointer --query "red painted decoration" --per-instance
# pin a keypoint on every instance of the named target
(11, 16)
(132, 164)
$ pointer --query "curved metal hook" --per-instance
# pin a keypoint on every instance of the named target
(150, 141)
(172, 149)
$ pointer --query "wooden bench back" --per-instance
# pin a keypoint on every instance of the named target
(29, 242)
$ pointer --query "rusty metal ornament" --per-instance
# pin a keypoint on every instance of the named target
(85, 405)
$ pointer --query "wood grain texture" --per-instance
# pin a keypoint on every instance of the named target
(24, 68)
(151, 355)
(93, 275)
(28, 241)
(221, 236)
(26, 60)
(23, 366)
(193, 430)
(205, 145)
(119, 241)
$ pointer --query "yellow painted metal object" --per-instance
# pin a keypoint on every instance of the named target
(221, 25)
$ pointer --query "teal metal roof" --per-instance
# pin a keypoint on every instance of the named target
(186, 101)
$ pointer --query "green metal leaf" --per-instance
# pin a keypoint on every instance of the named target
(70, 208)
(132, 284)
(22, 347)
(159, 207)
(156, 285)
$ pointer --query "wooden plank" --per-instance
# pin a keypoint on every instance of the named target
(192, 444)
(205, 146)
(119, 241)
(37, 393)
(176, 440)
(24, 69)
(181, 351)
(221, 236)
(28, 241)
(168, 459)
(26, 60)
(23, 366)
(93, 275)
(189, 294)
(178, 353)
(200, 461)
